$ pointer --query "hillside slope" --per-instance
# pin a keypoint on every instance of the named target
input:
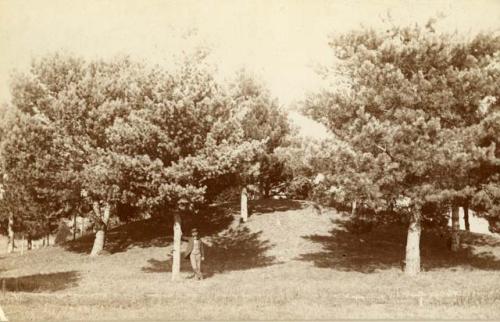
(287, 262)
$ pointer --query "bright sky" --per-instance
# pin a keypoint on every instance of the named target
(280, 41)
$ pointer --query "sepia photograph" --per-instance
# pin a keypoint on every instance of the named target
(249, 160)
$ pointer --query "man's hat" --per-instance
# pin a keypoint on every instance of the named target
(194, 230)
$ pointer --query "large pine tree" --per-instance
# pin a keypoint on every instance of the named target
(411, 102)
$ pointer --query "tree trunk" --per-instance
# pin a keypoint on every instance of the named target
(176, 255)
(100, 235)
(412, 261)
(455, 229)
(353, 208)
(466, 218)
(74, 227)
(10, 229)
(244, 204)
(47, 233)
(29, 246)
(22, 245)
(267, 191)
(82, 223)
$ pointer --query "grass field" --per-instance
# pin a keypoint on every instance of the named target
(287, 262)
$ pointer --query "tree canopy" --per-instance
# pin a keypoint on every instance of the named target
(261, 119)
(411, 118)
(118, 133)
(411, 114)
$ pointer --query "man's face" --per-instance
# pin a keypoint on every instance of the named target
(195, 234)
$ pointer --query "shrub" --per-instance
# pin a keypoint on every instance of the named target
(299, 188)
(63, 233)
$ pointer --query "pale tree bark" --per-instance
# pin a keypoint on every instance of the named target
(10, 230)
(82, 223)
(455, 229)
(47, 235)
(22, 245)
(176, 254)
(244, 204)
(100, 235)
(466, 218)
(353, 208)
(412, 261)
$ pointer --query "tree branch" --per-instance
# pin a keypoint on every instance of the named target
(386, 152)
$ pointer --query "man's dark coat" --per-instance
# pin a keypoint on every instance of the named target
(191, 245)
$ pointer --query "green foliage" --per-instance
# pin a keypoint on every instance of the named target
(299, 188)
(261, 116)
(90, 134)
(415, 119)
(63, 233)
(65, 105)
(30, 168)
(261, 119)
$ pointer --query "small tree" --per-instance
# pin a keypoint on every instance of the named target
(261, 119)
(28, 164)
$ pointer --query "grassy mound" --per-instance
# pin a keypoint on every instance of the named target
(287, 262)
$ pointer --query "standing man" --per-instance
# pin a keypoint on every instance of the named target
(196, 254)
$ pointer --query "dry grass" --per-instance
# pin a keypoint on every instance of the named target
(287, 262)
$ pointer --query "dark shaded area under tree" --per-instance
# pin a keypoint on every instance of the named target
(235, 249)
(349, 248)
(49, 282)
(155, 231)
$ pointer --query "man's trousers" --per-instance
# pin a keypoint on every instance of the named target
(196, 265)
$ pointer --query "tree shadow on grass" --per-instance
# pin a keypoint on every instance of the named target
(50, 282)
(234, 250)
(477, 251)
(476, 239)
(144, 233)
(155, 232)
(348, 250)
(351, 248)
